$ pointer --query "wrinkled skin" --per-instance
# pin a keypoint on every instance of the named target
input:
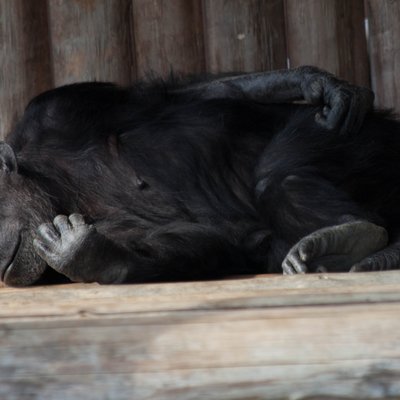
(336, 248)
(154, 182)
(20, 265)
(69, 244)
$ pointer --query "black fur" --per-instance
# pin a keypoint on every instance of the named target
(180, 187)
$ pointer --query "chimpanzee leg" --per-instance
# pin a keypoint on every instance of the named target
(345, 104)
(327, 229)
(177, 251)
(183, 250)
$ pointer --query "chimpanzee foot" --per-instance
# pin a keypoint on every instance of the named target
(388, 258)
(336, 248)
(62, 243)
(76, 250)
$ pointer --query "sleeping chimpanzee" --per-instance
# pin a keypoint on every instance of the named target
(188, 180)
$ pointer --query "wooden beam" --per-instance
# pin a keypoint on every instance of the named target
(72, 301)
(267, 337)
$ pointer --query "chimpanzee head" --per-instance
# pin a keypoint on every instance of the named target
(23, 207)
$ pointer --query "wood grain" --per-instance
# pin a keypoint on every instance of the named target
(384, 34)
(317, 336)
(71, 301)
(329, 34)
(24, 57)
(244, 35)
(168, 37)
(91, 40)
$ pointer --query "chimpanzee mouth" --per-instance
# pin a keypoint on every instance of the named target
(10, 262)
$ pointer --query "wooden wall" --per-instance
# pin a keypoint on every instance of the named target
(45, 43)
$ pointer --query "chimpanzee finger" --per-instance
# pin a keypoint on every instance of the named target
(308, 248)
(355, 113)
(287, 267)
(48, 233)
(42, 250)
(297, 264)
(358, 268)
(325, 111)
(339, 102)
(76, 219)
(61, 223)
(331, 118)
(362, 101)
(370, 264)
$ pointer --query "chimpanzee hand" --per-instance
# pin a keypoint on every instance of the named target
(345, 105)
(76, 250)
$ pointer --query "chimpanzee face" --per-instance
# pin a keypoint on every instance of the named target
(22, 209)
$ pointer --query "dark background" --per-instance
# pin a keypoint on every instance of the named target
(46, 43)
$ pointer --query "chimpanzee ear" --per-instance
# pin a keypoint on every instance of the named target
(8, 161)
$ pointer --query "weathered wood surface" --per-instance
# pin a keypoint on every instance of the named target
(168, 36)
(329, 34)
(90, 40)
(384, 39)
(268, 337)
(24, 57)
(244, 35)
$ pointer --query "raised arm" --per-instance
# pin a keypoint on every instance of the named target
(344, 105)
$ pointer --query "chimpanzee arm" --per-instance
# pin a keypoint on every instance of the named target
(345, 105)
(177, 251)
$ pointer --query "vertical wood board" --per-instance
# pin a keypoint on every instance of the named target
(384, 46)
(91, 40)
(244, 35)
(25, 68)
(329, 34)
(168, 36)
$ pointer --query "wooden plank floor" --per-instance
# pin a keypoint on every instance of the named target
(267, 337)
